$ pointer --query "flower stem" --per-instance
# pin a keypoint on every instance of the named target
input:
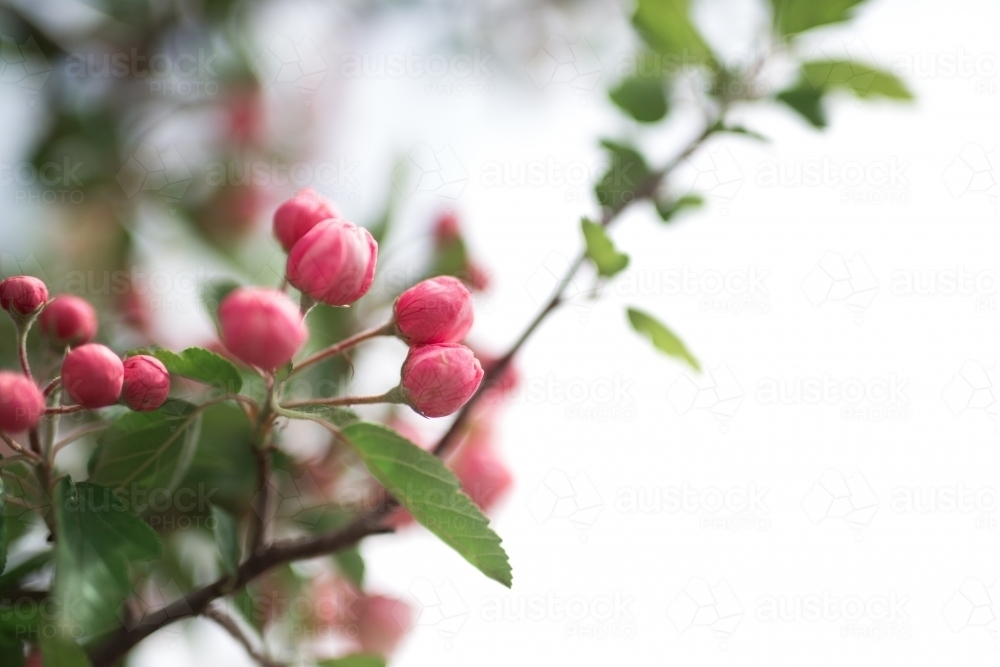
(391, 396)
(344, 345)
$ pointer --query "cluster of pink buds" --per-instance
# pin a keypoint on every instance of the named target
(332, 261)
(92, 375)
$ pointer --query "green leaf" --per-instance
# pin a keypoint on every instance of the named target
(663, 338)
(204, 366)
(432, 494)
(626, 173)
(29, 566)
(794, 16)
(61, 651)
(862, 80)
(666, 26)
(642, 97)
(669, 210)
(601, 250)
(356, 660)
(97, 540)
(147, 451)
(212, 294)
(807, 101)
(11, 652)
(226, 532)
(739, 129)
(335, 415)
(351, 565)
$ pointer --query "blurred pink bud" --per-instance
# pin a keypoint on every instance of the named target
(382, 622)
(440, 379)
(478, 278)
(300, 214)
(261, 326)
(446, 229)
(438, 310)
(146, 384)
(21, 403)
(23, 295)
(34, 658)
(68, 320)
(484, 477)
(334, 262)
(92, 375)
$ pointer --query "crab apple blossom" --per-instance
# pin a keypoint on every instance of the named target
(382, 622)
(92, 375)
(334, 262)
(438, 310)
(23, 295)
(21, 403)
(146, 384)
(437, 380)
(68, 320)
(300, 214)
(261, 326)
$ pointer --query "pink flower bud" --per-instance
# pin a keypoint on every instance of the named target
(439, 379)
(446, 229)
(300, 214)
(23, 295)
(382, 622)
(21, 403)
(334, 262)
(438, 310)
(92, 375)
(147, 383)
(261, 326)
(68, 320)
(483, 475)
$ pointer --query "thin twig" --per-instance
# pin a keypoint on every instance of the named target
(387, 397)
(76, 435)
(342, 346)
(230, 626)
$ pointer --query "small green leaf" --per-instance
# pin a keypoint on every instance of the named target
(330, 413)
(602, 251)
(862, 80)
(669, 210)
(59, 650)
(807, 101)
(663, 338)
(351, 565)
(627, 172)
(226, 532)
(204, 366)
(794, 16)
(432, 494)
(739, 129)
(356, 660)
(666, 26)
(97, 540)
(642, 97)
(148, 451)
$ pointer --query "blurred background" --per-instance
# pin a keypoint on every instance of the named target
(656, 515)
